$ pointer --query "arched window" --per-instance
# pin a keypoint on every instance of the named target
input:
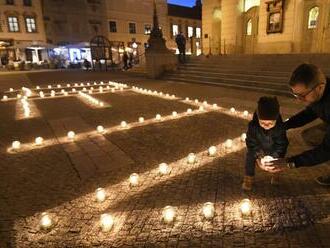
(249, 27)
(313, 17)
(248, 4)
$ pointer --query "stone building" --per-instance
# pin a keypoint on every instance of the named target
(188, 21)
(22, 35)
(266, 26)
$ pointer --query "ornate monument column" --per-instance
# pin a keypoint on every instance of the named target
(159, 59)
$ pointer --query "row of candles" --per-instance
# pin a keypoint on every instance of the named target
(106, 221)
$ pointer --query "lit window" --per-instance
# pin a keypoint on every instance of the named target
(113, 26)
(249, 27)
(198, 33)
(248, 4)
(190, 32)
(13, 24)
(132, 28)
(30, 24)
(147, 29)
(175, 29)
(312, 18)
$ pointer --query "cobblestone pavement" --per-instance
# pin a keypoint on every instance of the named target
(61, 177)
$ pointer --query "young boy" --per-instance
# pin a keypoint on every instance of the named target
(266, 135)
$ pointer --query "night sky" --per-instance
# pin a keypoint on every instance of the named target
(182, 2)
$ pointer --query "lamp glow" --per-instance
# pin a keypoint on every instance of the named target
(39, 141)
(212, 151)
(106, 222)
(71, 135)
(246, 207)
(208, 210)
(100, 129)
(16, 145)
(100, 195)
(164, 169)
(134, 179)
(169, 214)
(191, 159)
(45, 221)
(229, 144)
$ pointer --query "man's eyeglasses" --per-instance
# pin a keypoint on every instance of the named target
(303, 96)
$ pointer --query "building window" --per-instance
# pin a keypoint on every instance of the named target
(31, 26)
(175, 30)
(190, 32)
(248, 4)
(113, 26)
(249, 27)
(198, 33)
(313, 17)
(13, 24)
(10, 2)
(147, 29)
(27, 2)
(132, 28)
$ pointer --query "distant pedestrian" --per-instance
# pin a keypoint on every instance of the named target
(181, 43)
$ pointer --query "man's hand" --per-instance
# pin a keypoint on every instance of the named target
(271, 166)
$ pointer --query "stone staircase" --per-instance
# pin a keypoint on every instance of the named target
(264, 73)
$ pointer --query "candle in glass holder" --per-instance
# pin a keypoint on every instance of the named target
(208, 210)
(191, 158)
(169, 214)
(246, 207)
(212, 151)
(106, 222)
(134, 179)
(100, 195)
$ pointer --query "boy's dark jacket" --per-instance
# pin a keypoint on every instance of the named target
(273, 142)
(319, 109)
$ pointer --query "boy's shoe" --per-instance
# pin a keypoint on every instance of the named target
(247, 183)
(275, 180)
(323, 180)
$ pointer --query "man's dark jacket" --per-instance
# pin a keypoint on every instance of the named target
(319, 109)
(273, 142)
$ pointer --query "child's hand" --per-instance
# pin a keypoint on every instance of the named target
(269, 166)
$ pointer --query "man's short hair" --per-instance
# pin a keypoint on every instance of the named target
(268, 108)
(307, 74)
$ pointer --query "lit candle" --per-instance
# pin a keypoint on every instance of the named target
(164, 169)
(215, 106)
(71, 135)
(232, 110)
(168, 214)
(52, 93)
(66, 93)
(68, 85)
(63, 91)
(246, 207)
(11, 89)
(187, 99)
(196, 101)
(100, 129)
(59, 86)
(39, 141)
(243, 137)
(205, 103)
(201, 108)
(141, 119)
(174, 114)
(101, 104)
(73, 90)
(19, 96)
(100, 195)
(189, 111)
(123, 124)
(246, 113)
(4, 98)
(134, 179)
(228, 144)
(158, 117)
(45, 221)
(38, 87)
(208, 210)
(49, 86)
(191, 158)
(16, 145)
(106, 222)
(212, 151)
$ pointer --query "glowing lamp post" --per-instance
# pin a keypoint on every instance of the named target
(16, 145)
(106, 222)
(191, 159)
(164, 169)
(39, 141)
(71, 135)
(169, 214)
(134, 179)
(246, 207)
(229, 144)
(100, 195)
(212, 151)
(100, 129)
(208, 210)
(46, 221)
